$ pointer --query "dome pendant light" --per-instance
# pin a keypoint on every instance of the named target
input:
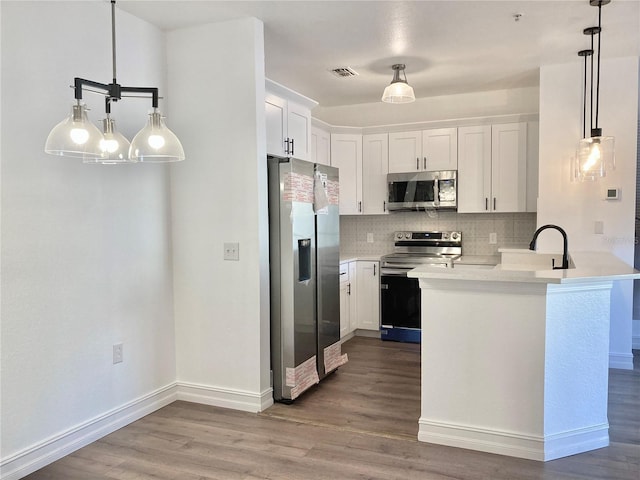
(399, 91)
(77, 137)
(595, 153)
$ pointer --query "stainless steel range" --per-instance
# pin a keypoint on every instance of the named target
(400, 295)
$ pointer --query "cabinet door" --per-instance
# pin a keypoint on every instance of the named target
(375, 166)
(405, 152)
(353, 305)
(320, 144)
(440, 149)
(474, 169)
(299, 131)
(276, 124)
(368, 295)
(344, 299)
(346, 155)
(509, 167)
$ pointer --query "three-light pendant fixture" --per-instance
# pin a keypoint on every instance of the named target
(595, 154)
(76, 136)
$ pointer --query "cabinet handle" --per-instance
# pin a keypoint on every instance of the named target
(486, 203)
(374, 269)
(343, 273)
(384, 205)
(348, 289)
(417, 163)
(360, 207)
(292, 148)
(494, 203)
(425, 163)
(286, 146)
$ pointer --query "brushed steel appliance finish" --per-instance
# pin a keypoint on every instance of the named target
(305, 312)
(422, 190)
(400, 295)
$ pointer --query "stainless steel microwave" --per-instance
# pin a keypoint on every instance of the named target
(422, 190)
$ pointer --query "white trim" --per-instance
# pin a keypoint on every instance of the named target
(225, 397)
(623, 361)
(532, 447)
(53, 448)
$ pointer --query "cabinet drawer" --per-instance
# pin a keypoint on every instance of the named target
(344, 272)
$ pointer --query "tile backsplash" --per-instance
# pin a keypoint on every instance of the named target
(511, 229)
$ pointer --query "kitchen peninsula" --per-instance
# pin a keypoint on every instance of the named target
(515, 358)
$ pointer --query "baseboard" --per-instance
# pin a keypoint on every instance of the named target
(359, 332)
(224, 397)
(348, 336)
(514, 444)
(43, 453)
(635, 341)
(623, 361)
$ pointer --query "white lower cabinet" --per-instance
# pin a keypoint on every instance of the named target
(359, 296)
(367, 295)
(345, 300)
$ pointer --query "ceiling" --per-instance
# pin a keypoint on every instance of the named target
(448, 46)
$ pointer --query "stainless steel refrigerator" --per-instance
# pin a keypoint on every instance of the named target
(304, 235)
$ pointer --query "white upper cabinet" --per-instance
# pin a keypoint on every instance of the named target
(425, 150)
(375, 166)
(346, 155)
(492, 168)
(320, 146)
(288, 122)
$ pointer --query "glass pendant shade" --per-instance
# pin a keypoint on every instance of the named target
(594, 157)
(75, 136)
(156, 143)
(398, 92)
(114, 145)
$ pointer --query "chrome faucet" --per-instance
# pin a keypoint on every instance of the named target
(565, 255)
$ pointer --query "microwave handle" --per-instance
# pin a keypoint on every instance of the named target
(436, 192)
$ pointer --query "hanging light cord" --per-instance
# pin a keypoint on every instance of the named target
(584, 101)
(591, 87)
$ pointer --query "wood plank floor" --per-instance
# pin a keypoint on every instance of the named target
(360, 423)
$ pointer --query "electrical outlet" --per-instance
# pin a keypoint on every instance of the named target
(232, 251)
(117, 353)
(493, 238)
(369, 237)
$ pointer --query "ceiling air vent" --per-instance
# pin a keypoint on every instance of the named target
(344, 72)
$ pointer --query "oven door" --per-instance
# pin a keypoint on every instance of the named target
(400, 306)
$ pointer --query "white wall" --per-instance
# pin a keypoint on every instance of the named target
(86, 257)
(216, 76)
(446, 107)
(576, 206)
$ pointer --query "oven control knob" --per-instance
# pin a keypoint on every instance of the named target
(407, 236)
(454, 236)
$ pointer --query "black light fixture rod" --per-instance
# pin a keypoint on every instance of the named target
(598, 78)
(585, 54)
(591, 86)
(113, 38)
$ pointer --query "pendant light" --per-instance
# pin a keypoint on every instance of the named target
(76, 136)
(595, 153)
(399, 91)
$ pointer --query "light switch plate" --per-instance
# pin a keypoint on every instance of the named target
(369, 237)
(232, 251)
(493, 238)
(598, 227)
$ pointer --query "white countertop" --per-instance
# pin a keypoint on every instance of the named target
(589, 267)
(477, 260)
(344, 258)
